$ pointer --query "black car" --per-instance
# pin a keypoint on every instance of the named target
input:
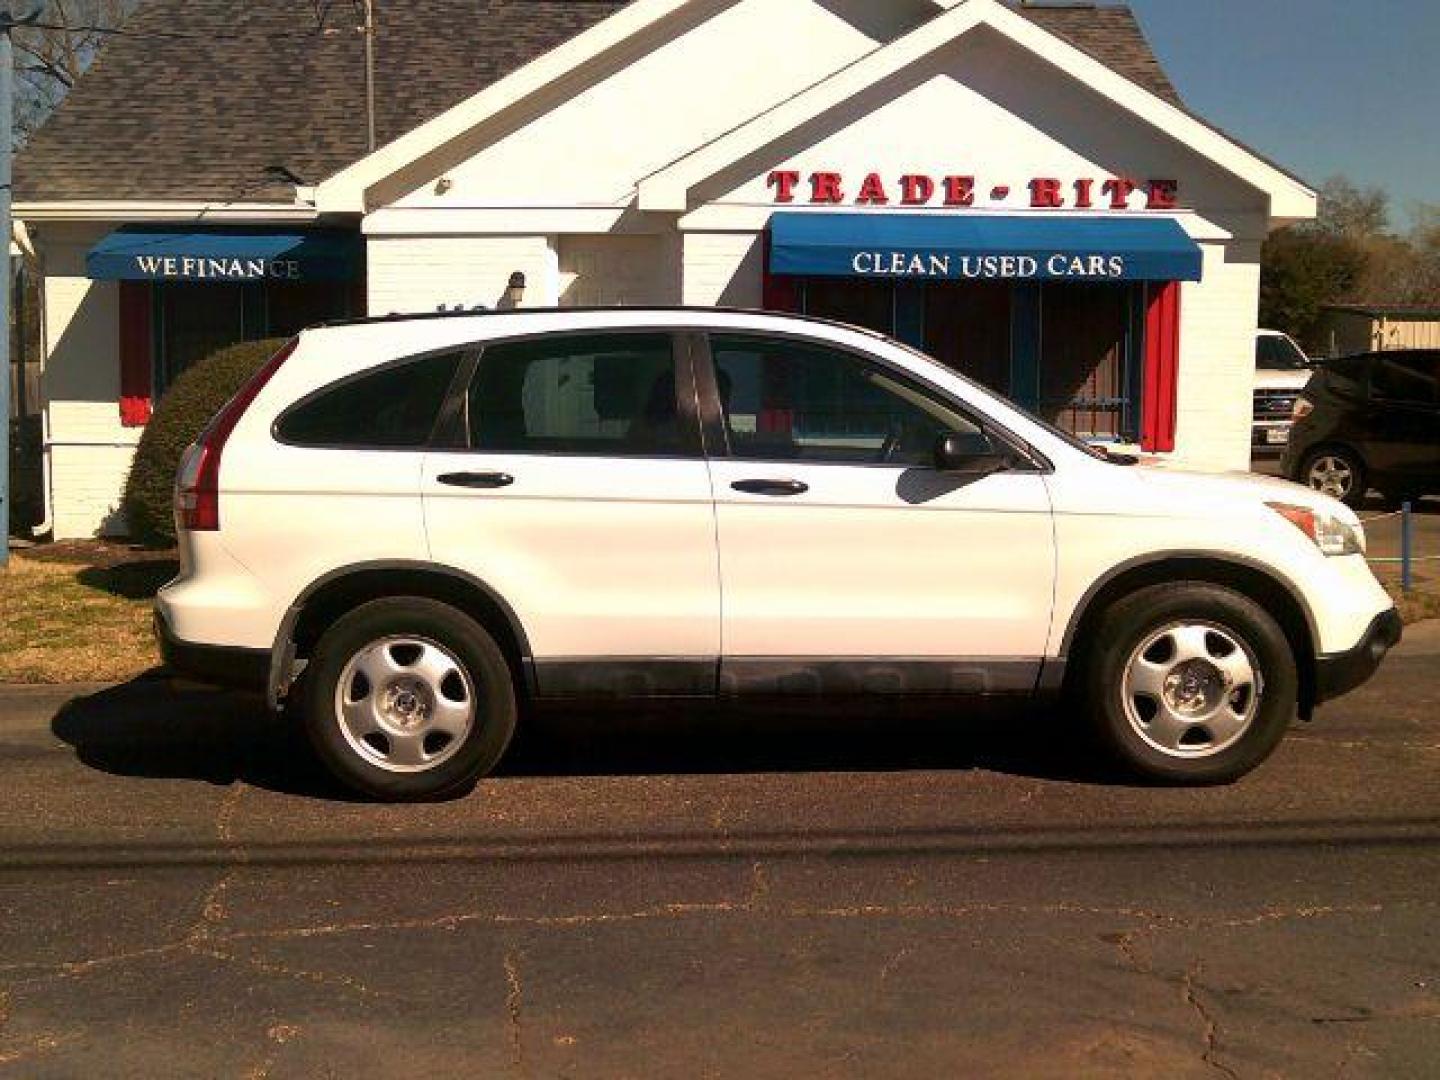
(1369, 421)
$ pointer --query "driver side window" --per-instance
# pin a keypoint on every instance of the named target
(787, 400)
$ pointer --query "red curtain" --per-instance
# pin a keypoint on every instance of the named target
(136, 351)
(1162, 367)
(778, 292)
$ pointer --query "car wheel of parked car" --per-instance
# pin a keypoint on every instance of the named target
(1337, 472)
(407, 699)
(1190, 683)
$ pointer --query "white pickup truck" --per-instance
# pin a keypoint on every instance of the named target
(1281, 371)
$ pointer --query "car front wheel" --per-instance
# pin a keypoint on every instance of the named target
(1336, 472)
(407, 698)
(1190, 683)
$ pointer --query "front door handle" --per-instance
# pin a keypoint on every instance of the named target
(771, 487)
(480, 480)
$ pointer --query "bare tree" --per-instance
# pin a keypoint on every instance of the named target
(51, 57)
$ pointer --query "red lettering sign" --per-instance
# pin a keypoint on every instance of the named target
(916, 190)
(784, 184)
(825, 188)
(1045, 194)
(872, 192)
(1119, 189)
(919, 189)
(959, 191)
(1164, 195)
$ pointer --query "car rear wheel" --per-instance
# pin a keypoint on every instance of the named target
(1336, 472)
(1190, 683)
(407, 699)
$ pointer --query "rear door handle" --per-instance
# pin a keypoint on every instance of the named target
(771, 487)
(480, 480)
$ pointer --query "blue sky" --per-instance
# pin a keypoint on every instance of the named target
(1321, 86)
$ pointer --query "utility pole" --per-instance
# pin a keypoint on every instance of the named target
(369, 32)
(8, 21)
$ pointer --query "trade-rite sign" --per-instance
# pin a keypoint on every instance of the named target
(917, 189)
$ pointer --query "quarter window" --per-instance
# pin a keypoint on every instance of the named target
(786, 400)
(1409, 378)
(602, 394)
(394, 408)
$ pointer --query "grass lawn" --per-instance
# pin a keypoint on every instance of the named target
(80, 612)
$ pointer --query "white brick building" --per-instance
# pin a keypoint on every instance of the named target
(1017, 190)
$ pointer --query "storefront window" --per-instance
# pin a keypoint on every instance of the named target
(1086, 369)
(1069, 352)
(194, 319)
(967, 328)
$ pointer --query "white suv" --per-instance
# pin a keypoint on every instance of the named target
(414, 528)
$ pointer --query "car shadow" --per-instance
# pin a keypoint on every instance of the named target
(130, 580)
(157, 728)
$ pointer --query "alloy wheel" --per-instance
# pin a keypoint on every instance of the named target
(405, 704)
(1192, 689)
(1331, 475)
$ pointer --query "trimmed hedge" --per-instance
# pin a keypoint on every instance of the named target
(179, 418)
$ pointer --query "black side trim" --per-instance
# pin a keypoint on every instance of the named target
(1339, 674)
(281, 657)
(877, 676)
(218, 665)
(625, 678)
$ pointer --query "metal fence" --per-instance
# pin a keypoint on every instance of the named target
(1408, 557)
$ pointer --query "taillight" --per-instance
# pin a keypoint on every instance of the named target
(197, 487)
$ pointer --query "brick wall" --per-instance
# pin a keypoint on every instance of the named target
(723, 269)
(1217, 358)
(412, 274)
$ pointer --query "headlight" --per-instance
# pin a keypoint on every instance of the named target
(1331, 535)
(1303, 407)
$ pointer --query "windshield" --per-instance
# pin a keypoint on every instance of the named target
(1279, 353)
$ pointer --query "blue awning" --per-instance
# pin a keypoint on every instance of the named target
(221, 254)
(982, 247)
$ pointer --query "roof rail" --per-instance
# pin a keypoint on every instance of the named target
(479, 313)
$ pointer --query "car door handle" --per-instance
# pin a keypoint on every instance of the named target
(480, 480)
(771, 487)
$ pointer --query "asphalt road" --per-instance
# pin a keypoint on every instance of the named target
(182, 894)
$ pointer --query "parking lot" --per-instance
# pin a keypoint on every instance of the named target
(182, 892)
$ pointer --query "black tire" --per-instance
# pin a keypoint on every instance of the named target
(1131, 622)
(486, 686)
(1354, 496)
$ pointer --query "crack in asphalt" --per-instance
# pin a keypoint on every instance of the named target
(212, 904)
(1211, 1025)
(513, 1000)
(40, 1044)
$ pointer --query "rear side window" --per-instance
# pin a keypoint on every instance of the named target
(1405, 377)
(394, 408)
(597, 394)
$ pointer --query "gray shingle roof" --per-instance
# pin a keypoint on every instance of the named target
(198, 97)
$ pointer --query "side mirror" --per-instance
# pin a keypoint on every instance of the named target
(969, 452)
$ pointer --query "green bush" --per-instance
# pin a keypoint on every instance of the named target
(179, 418)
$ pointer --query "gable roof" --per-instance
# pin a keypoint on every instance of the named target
(198, 98)
(668, 189)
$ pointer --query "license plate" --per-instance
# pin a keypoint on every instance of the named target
(1277, 436)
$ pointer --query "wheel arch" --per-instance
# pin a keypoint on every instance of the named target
(1248, 577)
(343, 589)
